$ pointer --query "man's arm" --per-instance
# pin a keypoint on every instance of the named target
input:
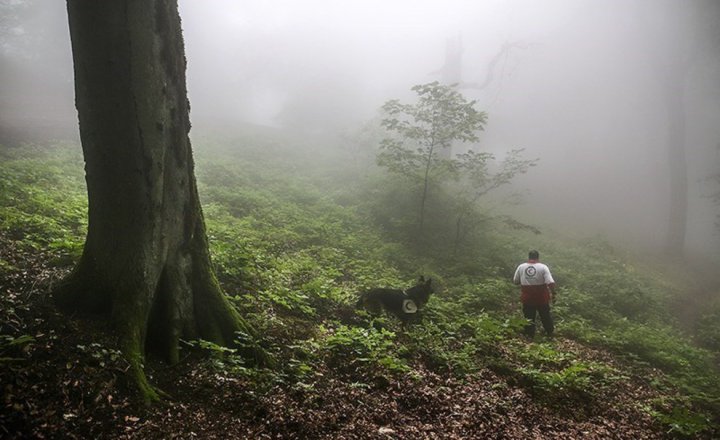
(516, 277)
(550, 283)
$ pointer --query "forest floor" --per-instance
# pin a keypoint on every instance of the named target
(60, 380)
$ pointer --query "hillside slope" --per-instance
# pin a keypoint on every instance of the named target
(296, 233)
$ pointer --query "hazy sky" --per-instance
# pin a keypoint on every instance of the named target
(376, 49)
(582, 90)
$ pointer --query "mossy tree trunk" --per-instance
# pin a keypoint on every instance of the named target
(145, 263)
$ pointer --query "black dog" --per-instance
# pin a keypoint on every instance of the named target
(404, 304)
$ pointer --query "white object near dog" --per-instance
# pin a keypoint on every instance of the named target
(409, 306)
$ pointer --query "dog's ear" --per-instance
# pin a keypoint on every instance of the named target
(429, 281)
(422, 279)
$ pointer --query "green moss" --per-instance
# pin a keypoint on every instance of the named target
(130, 348)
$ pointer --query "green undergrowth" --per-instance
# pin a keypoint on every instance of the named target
(295, 235)
(43, 201)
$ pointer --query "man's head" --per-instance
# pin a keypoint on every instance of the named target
(534, 255)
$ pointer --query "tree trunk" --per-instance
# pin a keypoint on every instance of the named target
(458, 228)
(677, 163)
(146, 262)
(426, 184)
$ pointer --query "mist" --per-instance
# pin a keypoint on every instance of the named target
(581, 85)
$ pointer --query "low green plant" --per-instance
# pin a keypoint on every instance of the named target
(43, 205)
(369, 351)
(579, 379)
(562, 376)
(102, 355)
(220, 358)
(11, 347)
(680, 420)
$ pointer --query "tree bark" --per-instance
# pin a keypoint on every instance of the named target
(145, 262)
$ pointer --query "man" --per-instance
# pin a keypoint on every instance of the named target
(538, 288)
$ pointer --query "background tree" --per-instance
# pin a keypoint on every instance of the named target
(35, 73)
(145, 262)
(676, 44)
(451, 71)
(477, 179)
(423, 130)
(714, 196)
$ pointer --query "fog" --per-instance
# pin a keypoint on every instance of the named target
(584, 85)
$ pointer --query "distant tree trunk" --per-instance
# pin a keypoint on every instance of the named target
(458, 229)
(451, 71)
(674, 39)
(146, 262)
(677, 163)
(426, 184)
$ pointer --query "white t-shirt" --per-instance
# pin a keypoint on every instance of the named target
(533, 274)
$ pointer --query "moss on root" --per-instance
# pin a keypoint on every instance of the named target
(219, 322)
(148, 393)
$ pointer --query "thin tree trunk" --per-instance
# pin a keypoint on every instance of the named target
(458, 226)
(425, 188)
(677, 163)
(146, 262)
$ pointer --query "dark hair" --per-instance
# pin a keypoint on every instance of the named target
(534, 255)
